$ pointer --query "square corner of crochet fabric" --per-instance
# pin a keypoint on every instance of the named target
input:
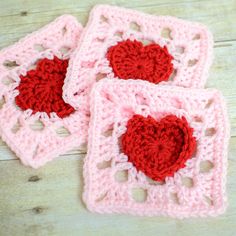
(127, 44)
(35, 122)
(156, 150)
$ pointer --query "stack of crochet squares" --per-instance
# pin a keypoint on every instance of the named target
(131, 85)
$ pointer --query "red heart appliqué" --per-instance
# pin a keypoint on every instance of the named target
(41, 89)
(158, 149)
(132, 60)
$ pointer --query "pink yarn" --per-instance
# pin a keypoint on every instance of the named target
(189, 43)
(17, 127)
(113, 103)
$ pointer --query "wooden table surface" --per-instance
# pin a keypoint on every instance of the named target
(48, 201)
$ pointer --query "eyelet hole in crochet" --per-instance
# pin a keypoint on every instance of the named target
(173, 75)
(63, 132)
(104, 19)
(209, 103)
(180, 49)
(210, 132)
(100, 76)
(101, 197)
(205, 166)
(166, 33)
(139, 195)
(2, 102)
(197, 37)
(174, 198)
(16, 127)
(133, 60)
(37, 125)
(187, 182)
(104, 165)
(10, 64)
(208, 200)
(64, 50)
(41, 89)
(108, 132)
(121, 176)
(7, 80)
(153, 182)
(118, 34)
(192, 62)
(198, 119)
(134, 26)
(39, 47)
(64, 30)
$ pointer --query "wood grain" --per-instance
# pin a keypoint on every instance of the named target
(48, 201)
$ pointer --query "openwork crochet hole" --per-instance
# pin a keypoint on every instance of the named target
(7, 80)
(104, 19)
(174, 198)
(64, 30)
(198, 119)
(100, 76)
(197, 37)
(153, 182)
(139, 195)
(41, 89)
(10, 64)
(37, 125)
(133, 60)
(209, 103)
(63, 132)
(192, 62)
(108, 132)
(209, 201)
(2, 102)
(121, 176)
(210, 132)
(104, 165)
(180, 49)
(101, 197)
(16, 127)
(39, 47)
(173, 75)
(187, 182)
(118, 34)
(206, 166)
(166, 33)
(134, 26)
(64, 50)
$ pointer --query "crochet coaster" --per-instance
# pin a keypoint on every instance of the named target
(35, 122)
(156, 150)
(128, 44)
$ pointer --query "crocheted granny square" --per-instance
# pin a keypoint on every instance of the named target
(128, 44)
(156, 150)
(35, 121)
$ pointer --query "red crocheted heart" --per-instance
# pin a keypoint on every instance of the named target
(132, 60)
(158, 149)
(41, 89)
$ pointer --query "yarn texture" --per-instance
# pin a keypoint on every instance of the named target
(158, 149)
(127, 44)
(35, 122)
(158, 140)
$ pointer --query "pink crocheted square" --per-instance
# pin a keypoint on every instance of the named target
(105, 51)
(36, 136)
(112, 182)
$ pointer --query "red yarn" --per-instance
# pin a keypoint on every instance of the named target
(41, 88)
(132, 60)
(158, 149)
